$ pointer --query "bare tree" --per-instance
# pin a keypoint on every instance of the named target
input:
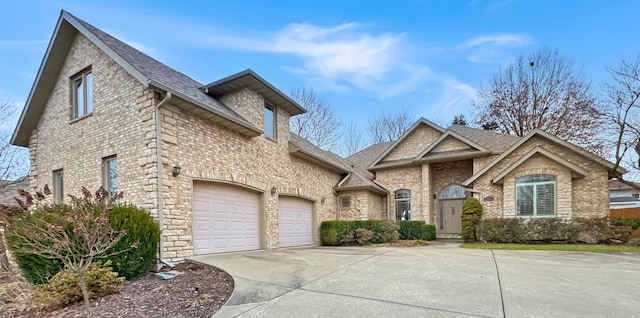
(319, 124)
(542, 91)
(622, 112)
(351, 140)
(388, 126)
(75, 234)
(13, 160)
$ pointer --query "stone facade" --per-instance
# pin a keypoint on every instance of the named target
(364, 205)
(122, 124)
(414, 143)
(580, 197)
(115, 128)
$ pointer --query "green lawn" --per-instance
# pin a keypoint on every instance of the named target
(555, 247)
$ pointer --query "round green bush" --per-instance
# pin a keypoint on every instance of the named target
(140, 244)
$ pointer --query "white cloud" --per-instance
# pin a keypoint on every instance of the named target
(337, 55)
(508, 40)
(494, 48)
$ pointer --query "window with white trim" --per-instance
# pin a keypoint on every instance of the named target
(82, 93)
(536, 196)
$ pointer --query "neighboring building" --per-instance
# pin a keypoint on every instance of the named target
(233, 177)
(623, 194)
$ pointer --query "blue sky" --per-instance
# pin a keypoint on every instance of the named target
(363, 56)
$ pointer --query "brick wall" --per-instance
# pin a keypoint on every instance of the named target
(414, 143)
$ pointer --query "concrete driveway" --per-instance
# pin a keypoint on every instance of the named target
(434, 281)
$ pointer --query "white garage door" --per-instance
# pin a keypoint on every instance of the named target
(225, 219)
(295, 223)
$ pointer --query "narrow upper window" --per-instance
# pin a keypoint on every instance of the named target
(110, 175)
(345, 202)
(269, 121)
(536, 196)
(82, 93)
(58, 186)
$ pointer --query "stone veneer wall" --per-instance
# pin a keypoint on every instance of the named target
(450, 144)
(358, 207)
(208, 152)
(413, 144)
(589, 195)
(404, 178)
(117, 126)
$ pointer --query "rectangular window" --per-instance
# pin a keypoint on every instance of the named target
(269, 122)
(110, 175)
(345, 202)
(82, 93)
(58, 186)
(536, 196)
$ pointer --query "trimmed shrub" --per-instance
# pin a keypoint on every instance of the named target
(140, 243)
(364, 236)
(515, 230)
(634, 223)
(417, 230)
(334, 233)
(64, 288)
(635, 241)
(387, 233)
(470, 218)
(593, 230)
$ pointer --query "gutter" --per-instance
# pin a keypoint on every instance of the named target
(159, 168)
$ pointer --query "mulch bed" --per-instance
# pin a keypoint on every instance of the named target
(199, 291)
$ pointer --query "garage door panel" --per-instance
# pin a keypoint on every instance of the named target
(226, 218)
(295, 222)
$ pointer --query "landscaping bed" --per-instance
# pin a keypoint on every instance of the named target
(199, 291)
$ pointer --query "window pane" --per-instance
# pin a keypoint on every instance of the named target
(403, 194)
(79, 97)
(524, 200)
(112, 174)
(545, 199)
(58, 186)
(89, 98)
(536, 178)
(452, 192)
(269, 127)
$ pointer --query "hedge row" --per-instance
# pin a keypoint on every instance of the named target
(517, 230)
(634, 223)
(336, 233)
(417, 230)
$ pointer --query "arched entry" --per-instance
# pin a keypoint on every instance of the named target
(451, 200)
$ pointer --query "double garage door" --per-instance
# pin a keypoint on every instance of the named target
(228, 219)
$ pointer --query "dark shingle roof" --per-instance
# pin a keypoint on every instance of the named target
(311, 149)
(493, 141)
(160, 73)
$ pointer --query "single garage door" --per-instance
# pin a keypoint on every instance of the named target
(225, 219)
(295, 222)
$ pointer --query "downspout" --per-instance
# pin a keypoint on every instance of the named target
(159, 168)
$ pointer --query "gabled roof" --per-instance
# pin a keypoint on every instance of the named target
(496, 142)
(548, 136)
(148, 71)
(453, 134)
(248, 78)
(576, 171)
(421, 121)
(616, 185)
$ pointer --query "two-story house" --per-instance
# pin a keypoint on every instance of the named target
(217, 165)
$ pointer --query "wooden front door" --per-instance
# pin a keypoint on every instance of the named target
(450, 211)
